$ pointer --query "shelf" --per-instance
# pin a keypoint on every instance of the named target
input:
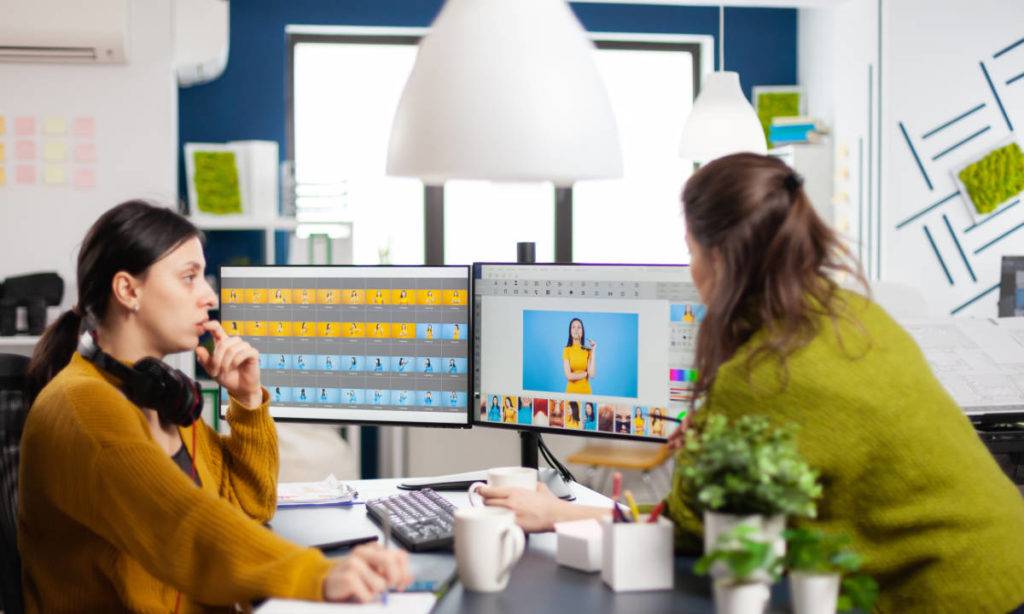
(246, 224)
(18, 341)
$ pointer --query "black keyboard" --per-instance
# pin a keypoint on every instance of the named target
(420, 519)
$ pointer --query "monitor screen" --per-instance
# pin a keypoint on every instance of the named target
(367, 344)
(600, 350)
(1011, 287)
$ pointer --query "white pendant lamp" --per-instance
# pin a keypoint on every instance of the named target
(722, 122)
(505, 90)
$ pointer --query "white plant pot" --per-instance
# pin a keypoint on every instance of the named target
(741, 598)
(769, 528)
(814, 593)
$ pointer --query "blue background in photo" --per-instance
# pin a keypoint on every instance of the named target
(525, 414)
(346, 363)
(448, 331)
(408, 365)
(280, 394)
(460, 365)
(353, 396)
(404, 398)
(435, 398)
(460, 399)
(378, 397)
(544, 337)
(331, 396)
(303, 394)
(378, 364)
(305, 362)
(322, 362)
(280, 361)
(264, 360)
(592, 424)
(436, 330)
(699, 311)
(435, 364)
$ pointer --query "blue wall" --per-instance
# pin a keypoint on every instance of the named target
(248, 100)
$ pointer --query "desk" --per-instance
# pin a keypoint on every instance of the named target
(537, 583)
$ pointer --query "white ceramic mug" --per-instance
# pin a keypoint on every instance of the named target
(516, 477)
(487, 545)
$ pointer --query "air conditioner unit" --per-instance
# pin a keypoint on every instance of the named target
(60, 31)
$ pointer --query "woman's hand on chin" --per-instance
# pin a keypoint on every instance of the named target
(234, 364)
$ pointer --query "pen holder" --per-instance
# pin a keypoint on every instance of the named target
(637, 556)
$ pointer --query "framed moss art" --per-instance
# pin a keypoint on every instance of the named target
(992, 179)
(772, 101)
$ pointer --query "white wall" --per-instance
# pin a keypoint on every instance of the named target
(869, 65)
(135, 111)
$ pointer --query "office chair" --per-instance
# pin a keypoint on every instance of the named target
(13, 410)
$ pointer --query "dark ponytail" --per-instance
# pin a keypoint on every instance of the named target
(772, 258)
(129, 237)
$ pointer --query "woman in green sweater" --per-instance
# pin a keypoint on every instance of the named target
(905, 476)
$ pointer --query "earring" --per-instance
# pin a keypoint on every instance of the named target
(135, 308)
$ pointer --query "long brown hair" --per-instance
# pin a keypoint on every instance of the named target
(771, 258)
(129, 237)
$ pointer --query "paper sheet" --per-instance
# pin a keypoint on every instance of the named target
(325, 492)
(406, 603)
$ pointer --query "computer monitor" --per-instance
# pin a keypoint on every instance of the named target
(366, 344)
(1011, 287)
(638, 325)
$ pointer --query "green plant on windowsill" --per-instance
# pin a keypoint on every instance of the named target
(748, 467)
(814, 553)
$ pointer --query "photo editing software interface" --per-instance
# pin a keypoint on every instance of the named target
(362, 344)
(599, 348)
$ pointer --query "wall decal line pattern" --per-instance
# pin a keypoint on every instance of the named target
(992, 216)
(1008, 49)
(999, 238)
(959, 248)
(935, 248)
(973, 300)
(963, 115)
(970, 138)
(917, 158)
(995, 95)
(927, 209)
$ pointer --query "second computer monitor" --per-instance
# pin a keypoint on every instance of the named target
(602, 350)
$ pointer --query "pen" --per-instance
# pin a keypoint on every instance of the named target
(633, 509)
(656, 512)
(386, 521)
(680, 417)
(616, 489)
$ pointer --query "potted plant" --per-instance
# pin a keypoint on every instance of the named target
(819, 566)
(748, 472)
(751, 565)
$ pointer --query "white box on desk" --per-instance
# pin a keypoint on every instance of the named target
(637, 556)
(579, 544)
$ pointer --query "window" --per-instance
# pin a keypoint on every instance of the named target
(637, 219)
(483, 221)
(345, 95)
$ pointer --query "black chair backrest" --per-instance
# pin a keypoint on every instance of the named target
(13, 409)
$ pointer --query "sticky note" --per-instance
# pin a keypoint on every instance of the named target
(84, 126)
(53, 175)
(3, 175)
(3, 124)
(25, 150)
(24, 126)
(85, 152)
(55, 125)
(55, 151)
(25, 174)
(2, 152)
(85, 178)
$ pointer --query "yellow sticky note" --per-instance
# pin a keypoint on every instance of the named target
(3, 176)
(55, 125)
(54, 175)
(55, 151)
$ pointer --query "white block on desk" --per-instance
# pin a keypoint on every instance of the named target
(406, 603)
(637, 556)
(579, 544)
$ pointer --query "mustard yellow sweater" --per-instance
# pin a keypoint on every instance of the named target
(107, 521)
(904, 474)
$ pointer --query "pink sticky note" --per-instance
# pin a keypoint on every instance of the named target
(85, 152)
(25, 174)
(84, 126)
(24, 126)
(85, 178)
(25, 150)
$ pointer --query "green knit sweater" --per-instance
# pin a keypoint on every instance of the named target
(904, 474)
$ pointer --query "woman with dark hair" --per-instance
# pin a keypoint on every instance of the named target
(578, 359)
(905, 476)
(144, 507)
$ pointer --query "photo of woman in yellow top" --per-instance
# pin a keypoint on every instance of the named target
(578, 360)
(638, 421)
(508, 410)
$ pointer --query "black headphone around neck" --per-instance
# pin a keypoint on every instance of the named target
(149, 383)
